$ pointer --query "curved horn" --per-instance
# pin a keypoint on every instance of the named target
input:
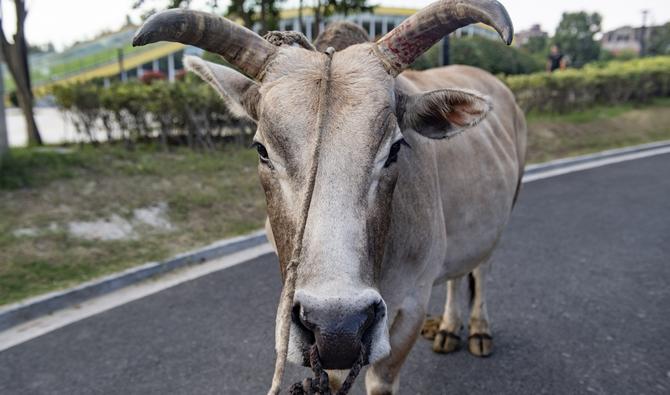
(401, 46)
(240, 46)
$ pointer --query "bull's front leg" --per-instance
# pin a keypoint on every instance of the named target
(382, 377)
(480, 341)
(445, 331)
(447, 339)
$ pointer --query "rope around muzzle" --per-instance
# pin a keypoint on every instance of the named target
(319, 385)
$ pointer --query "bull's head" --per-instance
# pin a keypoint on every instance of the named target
(331, 130)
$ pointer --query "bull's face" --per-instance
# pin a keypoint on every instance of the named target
(331, 145)
(340, 120)
(347, 109)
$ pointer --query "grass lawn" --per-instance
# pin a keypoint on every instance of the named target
(44, 194)
(159, 204)
(558, 136)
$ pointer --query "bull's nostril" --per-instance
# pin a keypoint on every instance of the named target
(299, 319)
(371, 313)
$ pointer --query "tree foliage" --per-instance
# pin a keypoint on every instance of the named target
(263, 12)
(659, 44)
(167, 3)
(575, 35)
(345, 7)
(324, 8)
(491, 55)
(537, 45)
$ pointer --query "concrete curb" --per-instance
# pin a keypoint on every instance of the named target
(18, 313)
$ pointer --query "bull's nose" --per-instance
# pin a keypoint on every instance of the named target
(338, 331)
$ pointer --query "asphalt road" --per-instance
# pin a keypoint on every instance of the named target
(579, 299)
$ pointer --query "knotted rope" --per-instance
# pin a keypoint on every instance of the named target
(319, 385)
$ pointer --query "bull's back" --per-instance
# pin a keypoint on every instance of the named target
(478, 171)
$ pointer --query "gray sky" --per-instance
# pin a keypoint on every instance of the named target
(65, 21)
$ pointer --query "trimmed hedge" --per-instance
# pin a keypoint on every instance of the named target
(615, 82)
(186, 112)
(491, 55)
(190, 112)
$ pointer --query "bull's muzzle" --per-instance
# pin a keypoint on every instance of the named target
(340, 329)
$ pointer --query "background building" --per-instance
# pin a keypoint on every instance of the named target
(376, 23)
(523, 37)
(627, 39)
(112, 57)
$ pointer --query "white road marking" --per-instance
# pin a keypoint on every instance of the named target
(599, 154)
(594, 163)
(40, 326)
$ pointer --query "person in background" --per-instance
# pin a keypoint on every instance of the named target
(556, 60)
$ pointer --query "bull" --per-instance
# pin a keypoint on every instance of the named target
(380, 181)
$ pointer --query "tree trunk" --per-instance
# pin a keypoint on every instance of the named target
(25, 99)
(4, 138)
(16, 57)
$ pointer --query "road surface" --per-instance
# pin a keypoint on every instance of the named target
(578, 296)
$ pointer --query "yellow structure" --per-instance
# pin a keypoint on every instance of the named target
(136, 60)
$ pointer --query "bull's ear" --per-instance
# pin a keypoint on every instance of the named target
(444, 113)
(238, 92)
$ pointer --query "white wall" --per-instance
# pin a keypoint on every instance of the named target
(53, 125)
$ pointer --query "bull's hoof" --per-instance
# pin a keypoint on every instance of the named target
(480, 344)
(430, 327)
(446, 342)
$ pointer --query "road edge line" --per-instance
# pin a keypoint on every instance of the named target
(577, 164)
(573, 164)
(40, 326)
(35, 307)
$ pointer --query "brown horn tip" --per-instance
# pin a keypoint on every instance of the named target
(500, 21)
(162, 26)
(416, 34)
(142, 39)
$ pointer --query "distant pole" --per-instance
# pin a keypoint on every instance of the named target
(4, 140)
(171, 71)
(124, 76)
(444, 51)
(643, 33)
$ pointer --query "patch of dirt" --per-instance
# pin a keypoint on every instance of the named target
(25, 232)
(154, 216)
(112, 228)
(118, 228)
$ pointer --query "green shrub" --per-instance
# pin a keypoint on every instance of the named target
(82, 101)
(491, 55)
(187, 112)
(13, 98)
(615, 82)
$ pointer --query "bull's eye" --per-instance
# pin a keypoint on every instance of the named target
(393, 154)
(262, 152)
